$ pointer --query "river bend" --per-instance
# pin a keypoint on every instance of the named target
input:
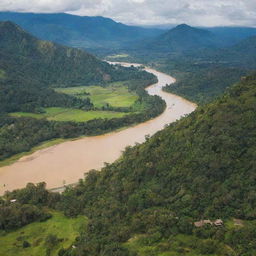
(65, 163)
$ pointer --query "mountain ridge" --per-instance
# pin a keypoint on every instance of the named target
(78, 31)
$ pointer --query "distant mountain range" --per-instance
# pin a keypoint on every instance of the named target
(184, 39)
(77, 31)
(104, 33)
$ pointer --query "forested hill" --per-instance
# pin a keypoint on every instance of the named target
(180, 40)
(205, 74)
(78, 31)
(23, 54)
(30, 67)
(201, 167)
(242, 54)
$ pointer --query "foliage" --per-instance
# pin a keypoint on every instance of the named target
(24, 206)
(200, 167)
(201, 83)
(51, 236)
(16, 215)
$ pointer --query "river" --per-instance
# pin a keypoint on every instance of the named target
(65, 163)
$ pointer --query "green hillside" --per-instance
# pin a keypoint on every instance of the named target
(202, 167)
(30, 67)
(42, 238)
(52, 64)
(146, 203)
(201, 82)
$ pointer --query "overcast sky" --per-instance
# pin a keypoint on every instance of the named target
(148, 12)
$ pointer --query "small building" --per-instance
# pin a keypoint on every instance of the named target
(201, 223)
(13, 200)
(218, 222)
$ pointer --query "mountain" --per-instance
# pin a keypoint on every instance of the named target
(78, 31)
(29, 67)
(181, 39)
(48, 62)
(23, 55)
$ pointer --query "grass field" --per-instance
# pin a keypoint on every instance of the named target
(64, 228)
(116, 94)
(179, 245)
(2, 74)
(69, 114)
(118, 56)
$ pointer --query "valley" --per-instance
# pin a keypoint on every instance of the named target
(102, 156)
(53, 164)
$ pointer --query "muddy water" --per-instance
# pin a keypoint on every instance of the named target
(67, 162)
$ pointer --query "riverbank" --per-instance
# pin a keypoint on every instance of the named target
(65, 163)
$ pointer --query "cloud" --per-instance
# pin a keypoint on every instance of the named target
(148, 12)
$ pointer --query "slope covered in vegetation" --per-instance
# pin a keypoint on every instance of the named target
(202, 167)
(52, 64)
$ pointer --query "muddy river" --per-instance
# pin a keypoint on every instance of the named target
(65, 163)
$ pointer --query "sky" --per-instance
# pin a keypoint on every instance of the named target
(148, 12)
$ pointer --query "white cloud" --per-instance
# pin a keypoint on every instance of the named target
(143, 12)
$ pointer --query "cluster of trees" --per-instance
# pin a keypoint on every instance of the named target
(23, 206)
(16, 215)
(31, 96)
(204, 74)
(201, 166)
(201, 82)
